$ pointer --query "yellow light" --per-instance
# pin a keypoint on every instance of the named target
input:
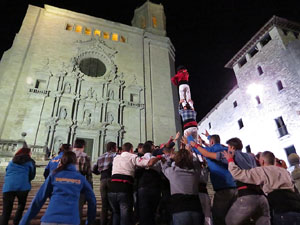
(69, 27)
(154, 21)
(88, 31)
(97, 33)
(78, 29)
(123, 39)
(114, 37)
(106, 35)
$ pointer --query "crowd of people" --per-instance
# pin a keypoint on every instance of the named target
(156, 184)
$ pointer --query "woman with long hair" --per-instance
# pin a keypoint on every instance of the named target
(64, 186)
(19, 173)
(184, 176)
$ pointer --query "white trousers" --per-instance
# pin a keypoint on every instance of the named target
(192, 131)
(185, 94)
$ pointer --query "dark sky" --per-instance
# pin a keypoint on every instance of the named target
(206, 34)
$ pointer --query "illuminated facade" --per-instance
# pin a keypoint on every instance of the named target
(70, 75)
(263, 110)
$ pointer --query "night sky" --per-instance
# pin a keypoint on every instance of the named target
(206, 34)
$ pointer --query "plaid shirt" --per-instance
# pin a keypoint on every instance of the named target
(104, 162)
(187, 114)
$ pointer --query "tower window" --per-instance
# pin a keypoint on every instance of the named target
(258, 100)
(115, 37)
(265, 40)
(281, 127)
(260, 70)
(234, 104)
(78, 29)
(296, 34)
(143, 23)
(279, 85)
(105, 35)
(69, 27)
(133, 97)
(248, 149)
(154, 21)
(253, 51)
(123, 39)
(285, 32)
(209, 125)
(241, 124)
(242, 62)
(97, 33)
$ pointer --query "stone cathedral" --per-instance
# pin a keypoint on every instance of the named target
(70, 75)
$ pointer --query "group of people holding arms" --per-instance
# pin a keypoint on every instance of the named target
(158, 185)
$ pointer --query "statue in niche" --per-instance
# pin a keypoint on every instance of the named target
(67, 88)
(57, 143)
(109, 118)
(63, 113)
(111, 94)
(87, 118)
(90, 93)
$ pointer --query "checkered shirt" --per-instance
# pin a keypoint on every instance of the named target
(104, 162)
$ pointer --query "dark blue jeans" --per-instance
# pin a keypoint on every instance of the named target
(187, 218)
(289, 218)
(122, 205)
(148, 199)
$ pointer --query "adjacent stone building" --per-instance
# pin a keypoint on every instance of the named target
(264, 108)
(70, 75)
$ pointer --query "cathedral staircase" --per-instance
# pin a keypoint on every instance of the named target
(36, 183)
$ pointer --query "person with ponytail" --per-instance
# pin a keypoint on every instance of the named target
(19, 173)
(64, 186)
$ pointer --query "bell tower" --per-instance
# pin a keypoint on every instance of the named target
(150, 17)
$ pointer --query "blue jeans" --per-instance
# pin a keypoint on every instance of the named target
(248, 207)
(122, 205)
(148, 200)
(289, 218)
(187, 218)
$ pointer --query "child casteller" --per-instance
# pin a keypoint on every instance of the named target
(181, 80)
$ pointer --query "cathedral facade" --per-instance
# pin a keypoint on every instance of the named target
(70, 75)
(263, 109)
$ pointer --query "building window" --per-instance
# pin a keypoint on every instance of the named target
(281, 127)
(241, 124)
(265, 40)
(289, 150)
(40, 84)
(285, 32)
(154, 21)
(248, 149)
(105, 35)
(258, 100)
(253, 51)
(133, 98)
(279, 85)
(88, 31)
(78, 29)
(97, 33)
(296, 34)
(123, 39)
(260, 70)
(234, 104)
(92, 67)
(209, 125)
(69, 27)
(115, 37)
(243, 61)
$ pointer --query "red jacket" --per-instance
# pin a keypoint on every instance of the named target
(181, 76)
